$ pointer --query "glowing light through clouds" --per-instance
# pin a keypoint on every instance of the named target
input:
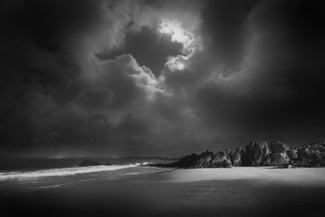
(178, 34)
(174, 28)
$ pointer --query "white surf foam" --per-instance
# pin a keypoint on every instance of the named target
(61, 172)
(60, 185)
(145, 163)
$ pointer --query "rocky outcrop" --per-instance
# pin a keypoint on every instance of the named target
(311, 155)
(203, 160)
(279, 155)
(236, 158)
(279, 147)
(191, 161)
(279, 159)
(221, 160)
(265, 154)
(267, 160)
(246, 159)
(292, 154)
(256, 154)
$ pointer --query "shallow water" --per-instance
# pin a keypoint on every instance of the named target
(17, 182)
(155, 194)
(23, 164)
(24, 174)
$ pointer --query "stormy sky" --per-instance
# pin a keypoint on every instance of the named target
(159, 77)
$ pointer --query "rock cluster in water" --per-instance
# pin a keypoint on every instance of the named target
(256, 154)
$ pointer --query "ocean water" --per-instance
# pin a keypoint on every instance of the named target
(57, 187)
(28, 174)
(32, 164)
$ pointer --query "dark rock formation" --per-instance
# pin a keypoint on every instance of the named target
(267, 160)
(311, 155)
(249, 154)
(320, 147)
(279, 155)
(236, 158)
(257, 154)
(246, 159)
(292, 154)
(266, 151)
(191, 161)
(279, 159)
(279, 147)
(303, 152)
(185, 162)
(221, 160)
(203, 160)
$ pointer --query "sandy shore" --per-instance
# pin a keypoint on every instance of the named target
(233, 192)
(296, 176)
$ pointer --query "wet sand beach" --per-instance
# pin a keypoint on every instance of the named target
(180, 192)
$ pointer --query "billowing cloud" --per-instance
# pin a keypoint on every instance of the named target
(159, 77)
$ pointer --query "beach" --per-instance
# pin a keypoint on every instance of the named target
(244, 191)
(162, 108)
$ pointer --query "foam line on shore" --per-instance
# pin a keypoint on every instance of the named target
(60, 185)
(61, 172)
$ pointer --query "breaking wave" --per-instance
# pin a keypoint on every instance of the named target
(62, 171)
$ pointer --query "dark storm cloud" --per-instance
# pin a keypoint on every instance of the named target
(293, 35)
(40, 19)
(148, 47)
(277, 92)
(87, 75)
(295, 42)
(260, 73)
(224, 28)
(55, 92)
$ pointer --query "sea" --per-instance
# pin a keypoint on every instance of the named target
(54, 187)
(27, 174)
